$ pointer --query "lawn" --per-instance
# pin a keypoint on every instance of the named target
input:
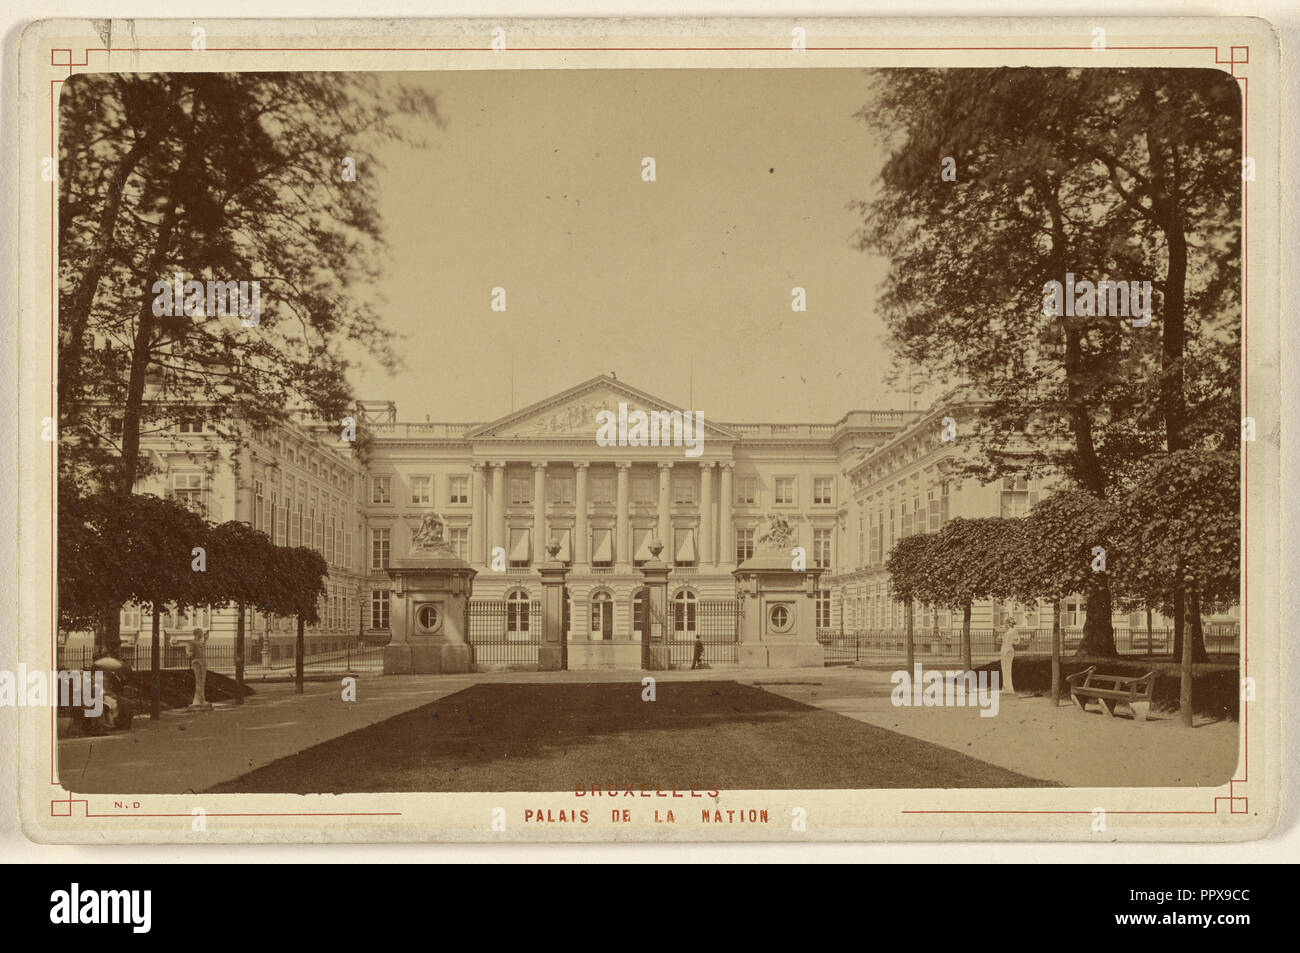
(556, 737)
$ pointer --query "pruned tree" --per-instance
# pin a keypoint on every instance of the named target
(911, 567)
(238, 561)
(1061, 534)
(973, 559)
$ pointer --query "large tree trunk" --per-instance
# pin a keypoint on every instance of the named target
(1185, 680)
(966, 661)
(155, 667)
(239, 654)
(1098, 635)
(1194, 629)
(1056, 652)
(911, 652)
(297, 662)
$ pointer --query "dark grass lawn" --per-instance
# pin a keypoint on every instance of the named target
(557, 737)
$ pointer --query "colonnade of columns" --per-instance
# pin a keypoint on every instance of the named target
(490, 527)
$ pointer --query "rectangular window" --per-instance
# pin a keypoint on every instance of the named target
(420, 489)
(459, 539)
(379, 608)
(744, 545)
(747, 490)
(318, 535)
(380, 548)
(602, 489)
(187, 489)
(684, 490)
(684, 547)
(259, 518)
(458, 489)
(784, 492)
(521, 489)
(823, 608)
(329, 544)
(381, 490)
(644, 489)
(561, 489)
(520, 548)
(191, 425)
(602, 548)
(347, 550)
(822, 548)
(822, 489)
(641, 546)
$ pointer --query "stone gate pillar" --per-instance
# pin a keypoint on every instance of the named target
(428, 609)
(657, 653)
(778, 605)
(552, 654)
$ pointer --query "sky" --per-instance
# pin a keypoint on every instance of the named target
(681, 286)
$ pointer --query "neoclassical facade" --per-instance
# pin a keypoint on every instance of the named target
(509, 488)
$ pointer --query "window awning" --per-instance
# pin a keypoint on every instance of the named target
(684, 551)
(566, 553)
(641, 544)
(519, 545)
(603, 547)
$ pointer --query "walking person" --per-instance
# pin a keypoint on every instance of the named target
(697, 661)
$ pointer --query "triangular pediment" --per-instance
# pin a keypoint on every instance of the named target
(572, 414)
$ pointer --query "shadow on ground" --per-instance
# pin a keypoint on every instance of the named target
(557, 737)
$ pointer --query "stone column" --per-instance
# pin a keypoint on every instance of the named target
(580, 532)
(478, 517)
(498, 507)
(706, 514)
(665, 530)
(622, 533)
(726, 533)
(540, 540)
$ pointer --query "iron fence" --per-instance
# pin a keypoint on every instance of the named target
(1222, 640)
(501, 636)
(332, 656)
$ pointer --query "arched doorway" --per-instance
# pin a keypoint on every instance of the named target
(641, 622)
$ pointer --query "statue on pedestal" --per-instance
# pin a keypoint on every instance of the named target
(429, 538)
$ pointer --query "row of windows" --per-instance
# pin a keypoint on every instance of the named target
(421, 489)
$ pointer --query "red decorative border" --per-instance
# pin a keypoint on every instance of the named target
(64, 59)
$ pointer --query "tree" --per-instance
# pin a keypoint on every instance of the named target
(297, 585)
(216, 177)
(910, 565)
(162, 562)
(1059, 535)
(1108, 174)
(238, 561)
(972, 559)
(1179, 527)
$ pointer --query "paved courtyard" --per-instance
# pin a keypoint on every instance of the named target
(827, 728)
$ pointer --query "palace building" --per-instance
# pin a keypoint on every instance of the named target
(507, 489)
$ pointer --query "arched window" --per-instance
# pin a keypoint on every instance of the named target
(602, 615)
(517, 621)
(684, 603)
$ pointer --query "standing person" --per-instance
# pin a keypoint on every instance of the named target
(698, 660)
(199, 664)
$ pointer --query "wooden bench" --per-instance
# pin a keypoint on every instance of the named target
(1109, 690)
